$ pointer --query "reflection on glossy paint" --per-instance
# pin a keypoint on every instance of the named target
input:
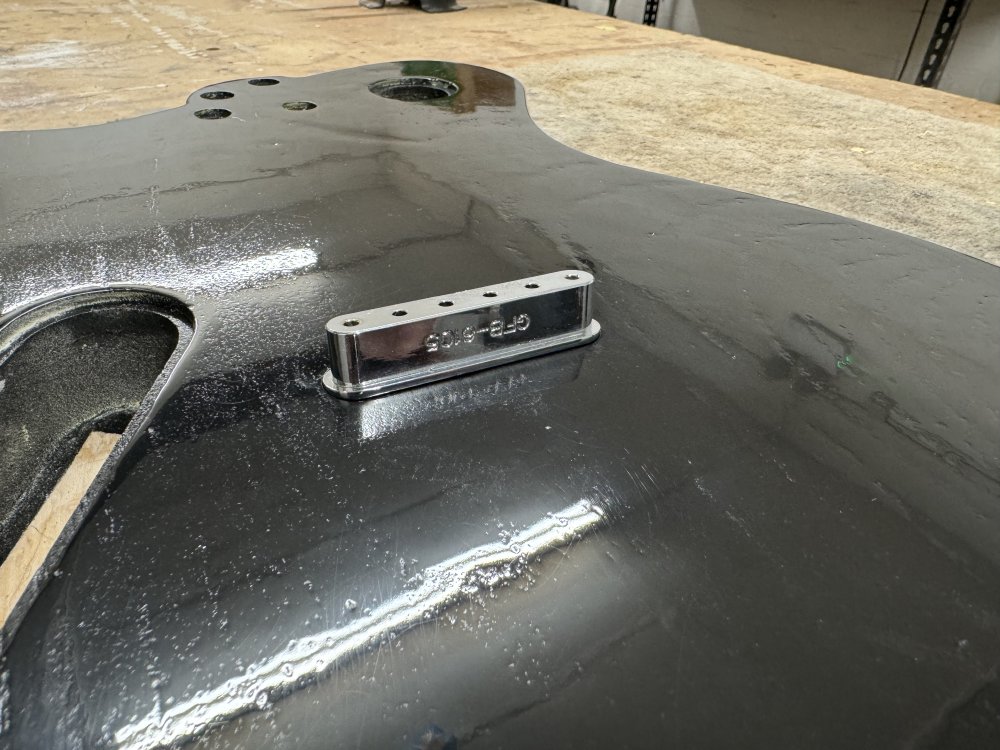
(222, 274)
(302, 661)
(210, 275)
(244, 272)
(520, 388)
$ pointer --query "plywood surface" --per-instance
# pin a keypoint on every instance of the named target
(919, 161)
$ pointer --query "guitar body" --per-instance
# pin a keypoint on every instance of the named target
(761, 510)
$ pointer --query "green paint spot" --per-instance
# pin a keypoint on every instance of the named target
(846, 361)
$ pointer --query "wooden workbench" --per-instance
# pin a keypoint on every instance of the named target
(916, 160)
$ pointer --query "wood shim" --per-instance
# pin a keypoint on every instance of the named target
(31, 550)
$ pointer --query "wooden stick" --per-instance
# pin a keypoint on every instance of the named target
(28, 555)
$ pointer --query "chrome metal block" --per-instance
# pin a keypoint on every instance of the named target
(389, 348)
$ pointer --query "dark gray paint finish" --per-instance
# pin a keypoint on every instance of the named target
(790, 426)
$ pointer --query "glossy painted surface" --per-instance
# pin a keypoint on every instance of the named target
(760, 511)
